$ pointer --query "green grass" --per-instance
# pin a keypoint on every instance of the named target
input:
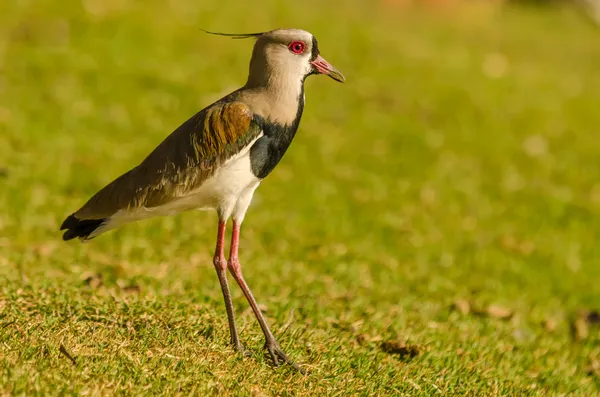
(459, 161)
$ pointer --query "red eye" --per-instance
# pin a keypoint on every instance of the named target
(297, 47)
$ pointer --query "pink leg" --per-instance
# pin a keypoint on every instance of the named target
(236, 270)
(221, 266)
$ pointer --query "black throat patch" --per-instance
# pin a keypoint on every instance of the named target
(268, 150)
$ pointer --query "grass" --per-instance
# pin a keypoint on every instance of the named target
(458, 164)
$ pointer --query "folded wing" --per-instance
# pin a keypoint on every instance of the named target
(180, 164)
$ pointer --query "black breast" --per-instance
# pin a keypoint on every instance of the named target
(268, 150)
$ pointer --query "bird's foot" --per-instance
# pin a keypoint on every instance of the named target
(277, 354)
(239, 348)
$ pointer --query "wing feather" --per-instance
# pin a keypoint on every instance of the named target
(180, 164)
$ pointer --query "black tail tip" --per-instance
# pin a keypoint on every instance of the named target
(79, 228)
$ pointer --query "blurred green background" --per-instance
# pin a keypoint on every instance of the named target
(433, 228)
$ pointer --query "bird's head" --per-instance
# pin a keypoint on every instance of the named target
(292, 53)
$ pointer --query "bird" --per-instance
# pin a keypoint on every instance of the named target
(217, 159)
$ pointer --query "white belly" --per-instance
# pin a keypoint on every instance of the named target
(222, 190)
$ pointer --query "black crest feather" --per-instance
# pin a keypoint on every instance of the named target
(234, 35)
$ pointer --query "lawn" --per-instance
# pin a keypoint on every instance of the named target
(433, 229)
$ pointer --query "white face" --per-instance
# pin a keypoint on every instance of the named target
(290, 50)
(289, 55)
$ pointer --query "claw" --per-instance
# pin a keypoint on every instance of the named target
(276, 353)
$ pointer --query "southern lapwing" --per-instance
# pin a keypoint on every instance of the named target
(217, 159)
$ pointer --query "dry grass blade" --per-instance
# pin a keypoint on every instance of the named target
(400, 348)
(500, 312)
(94, 281)
(463, 306)
(65, 353)
(582, 323)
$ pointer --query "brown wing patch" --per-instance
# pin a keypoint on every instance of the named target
(181, 163)
(223, 126)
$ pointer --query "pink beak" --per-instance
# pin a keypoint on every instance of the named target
(324, 67)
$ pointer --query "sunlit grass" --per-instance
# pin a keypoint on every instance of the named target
(458, 163)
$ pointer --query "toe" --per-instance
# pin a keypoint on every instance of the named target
(274, 356)
(277, 353)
